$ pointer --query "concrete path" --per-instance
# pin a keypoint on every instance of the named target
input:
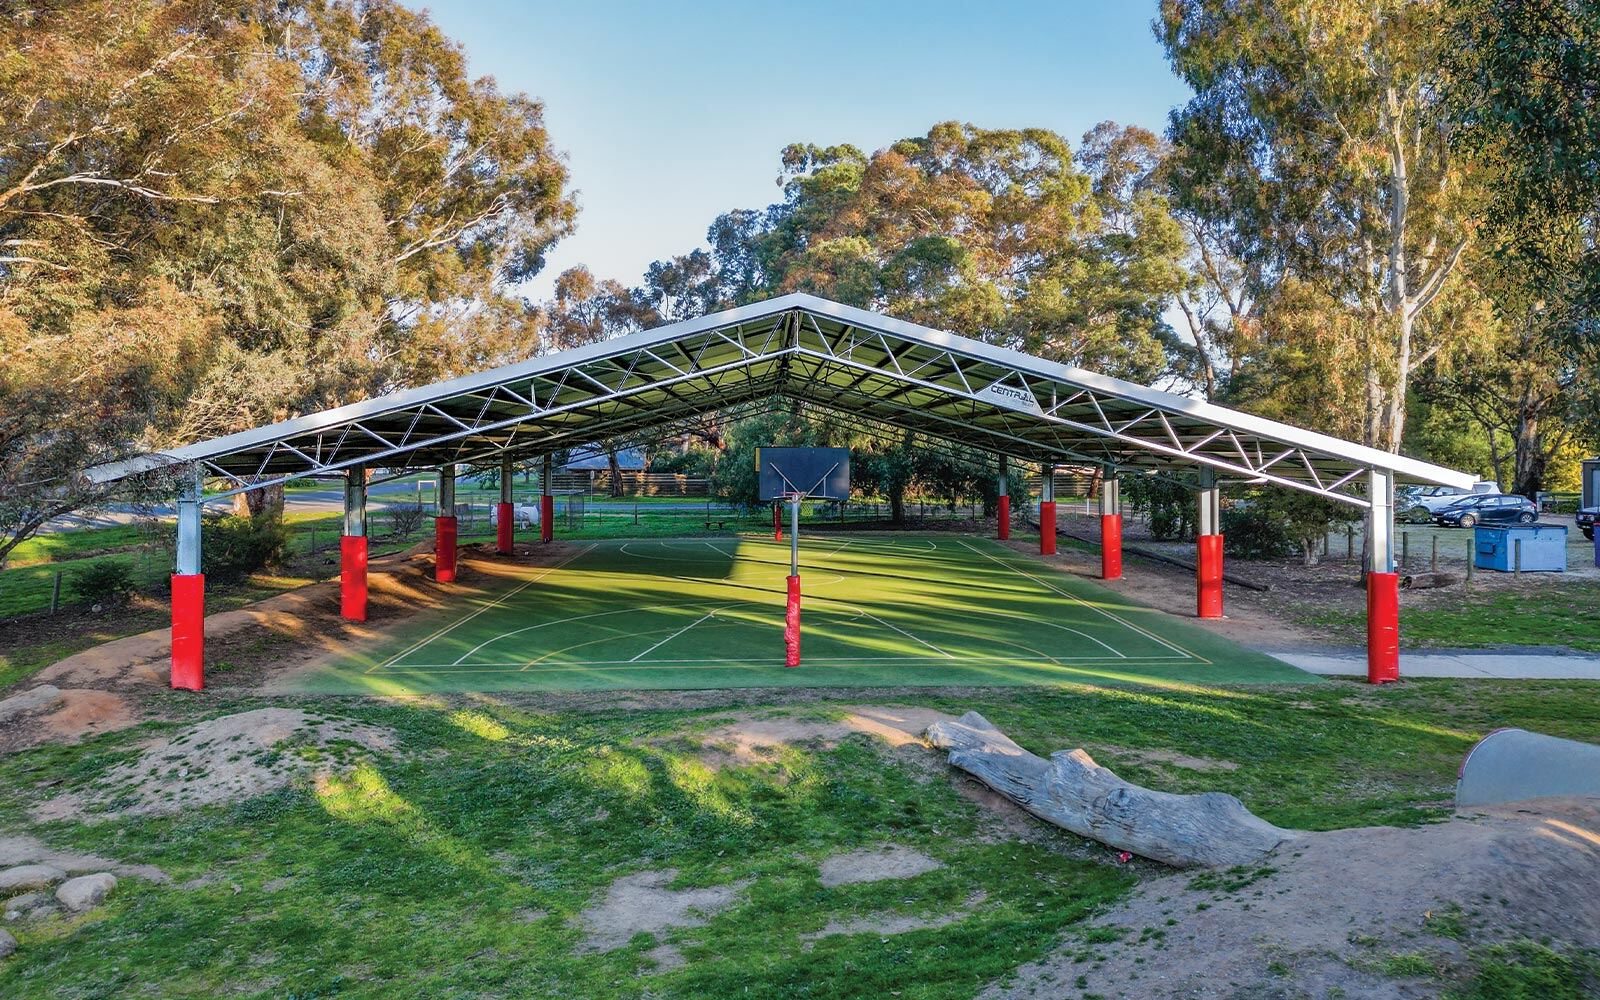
(1515, 663)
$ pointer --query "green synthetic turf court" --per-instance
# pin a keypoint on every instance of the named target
(877, 610)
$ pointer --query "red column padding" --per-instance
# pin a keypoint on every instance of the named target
(1110, 546)
(1005, 518)
(1383, 628)
(791, 625)
(188, 631)
(1208, 576)
(353, 577)
(547, 517)
(777, 523)
(444, 549)
(1047, 527)
(505, 526)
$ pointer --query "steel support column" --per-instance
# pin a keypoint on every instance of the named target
(547, 503)
(505, 515)
(444, 527)
(1110, 526)
(1383, 583)
(1047, 511)
(791, 617)
(188, 594)
(1004, 517)
(1208, 548)
(353, 547)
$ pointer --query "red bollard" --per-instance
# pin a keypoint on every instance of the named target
(1005, 518)
(1383, 628)
(1110, 546)
(444, 549)
(1208, 576)
(791, 625)
(505, 526)
(547, 517)
(1047, 527)
(188, 631)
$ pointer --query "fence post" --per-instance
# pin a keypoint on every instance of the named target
(55, 593)
(1349, 542)
(1405, 549)
(1472, 557)
(1516, 557)
(1433, 560)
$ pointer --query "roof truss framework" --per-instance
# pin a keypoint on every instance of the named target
(881, 371)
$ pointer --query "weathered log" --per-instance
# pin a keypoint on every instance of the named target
(1212, 829)
(1427, 581)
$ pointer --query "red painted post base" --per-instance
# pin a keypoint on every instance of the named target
(1047, 527)
(444, 549)
(188, 631)
(1005, 518)
(353, 577)
(1208, 576)
(547, 517)
(777, 523)
(1383, 628)
(791, 625)
(505, 526)
(1110, 546)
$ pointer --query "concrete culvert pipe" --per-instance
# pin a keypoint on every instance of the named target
(1509, 765)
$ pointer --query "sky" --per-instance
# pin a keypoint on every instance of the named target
(673, 113)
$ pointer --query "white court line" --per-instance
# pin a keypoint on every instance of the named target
(513, 668)
(674, 635)
(1074, 597)
(908, 635)
(496, 603)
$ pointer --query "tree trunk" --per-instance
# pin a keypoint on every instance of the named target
(1530, 458)
(254, 503)
(1070, 790)
(615, 469)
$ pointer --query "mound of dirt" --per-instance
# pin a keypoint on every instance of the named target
(749, 739)
(225, 759)
(1321, 915)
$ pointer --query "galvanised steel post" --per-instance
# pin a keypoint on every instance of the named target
(444, 527)
(1110, 525)
(188, 593)
(505, 513)
(1004, 522)
(353, 547)
(1383, 583)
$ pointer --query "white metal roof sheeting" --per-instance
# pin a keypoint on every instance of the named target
(858, 363)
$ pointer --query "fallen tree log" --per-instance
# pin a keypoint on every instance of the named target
(1212, 829)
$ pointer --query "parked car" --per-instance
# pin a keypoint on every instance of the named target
(1586, 518)
(1421, 504)
(1473, 510)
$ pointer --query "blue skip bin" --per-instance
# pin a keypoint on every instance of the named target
(1544, 547)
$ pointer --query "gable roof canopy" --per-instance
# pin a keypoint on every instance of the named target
(880, 370)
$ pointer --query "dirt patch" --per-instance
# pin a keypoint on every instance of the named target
(750, 739)
(889, 924)
(1321, 915)
(875, 864)
(85, 713)
(22, 849)
(1144, 757)
(226, 759)
(642, 903)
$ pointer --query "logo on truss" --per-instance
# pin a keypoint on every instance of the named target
(1011, 397)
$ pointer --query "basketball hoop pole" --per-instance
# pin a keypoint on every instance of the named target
(791, 618)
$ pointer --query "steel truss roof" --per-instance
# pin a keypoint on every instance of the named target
(873, 368)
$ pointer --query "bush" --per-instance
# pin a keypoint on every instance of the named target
(1169, 506)
(104, 582)
(406, 517)
(1276, 522)
(1253, 533)
(232, 547)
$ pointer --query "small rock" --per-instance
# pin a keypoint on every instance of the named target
(30, 700)
(86, 891)
(29, 906)
(23, 878)
(8, 944)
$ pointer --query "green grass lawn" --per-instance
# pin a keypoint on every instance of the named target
(1555, 613)
(878, 610)
(457, 866)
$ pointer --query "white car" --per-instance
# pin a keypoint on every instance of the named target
(523, 515)
(1421, 504)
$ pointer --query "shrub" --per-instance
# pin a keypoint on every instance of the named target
(104, 582)
(406, 517)
(1253, 533)
(233, 547)
(1169, 506)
